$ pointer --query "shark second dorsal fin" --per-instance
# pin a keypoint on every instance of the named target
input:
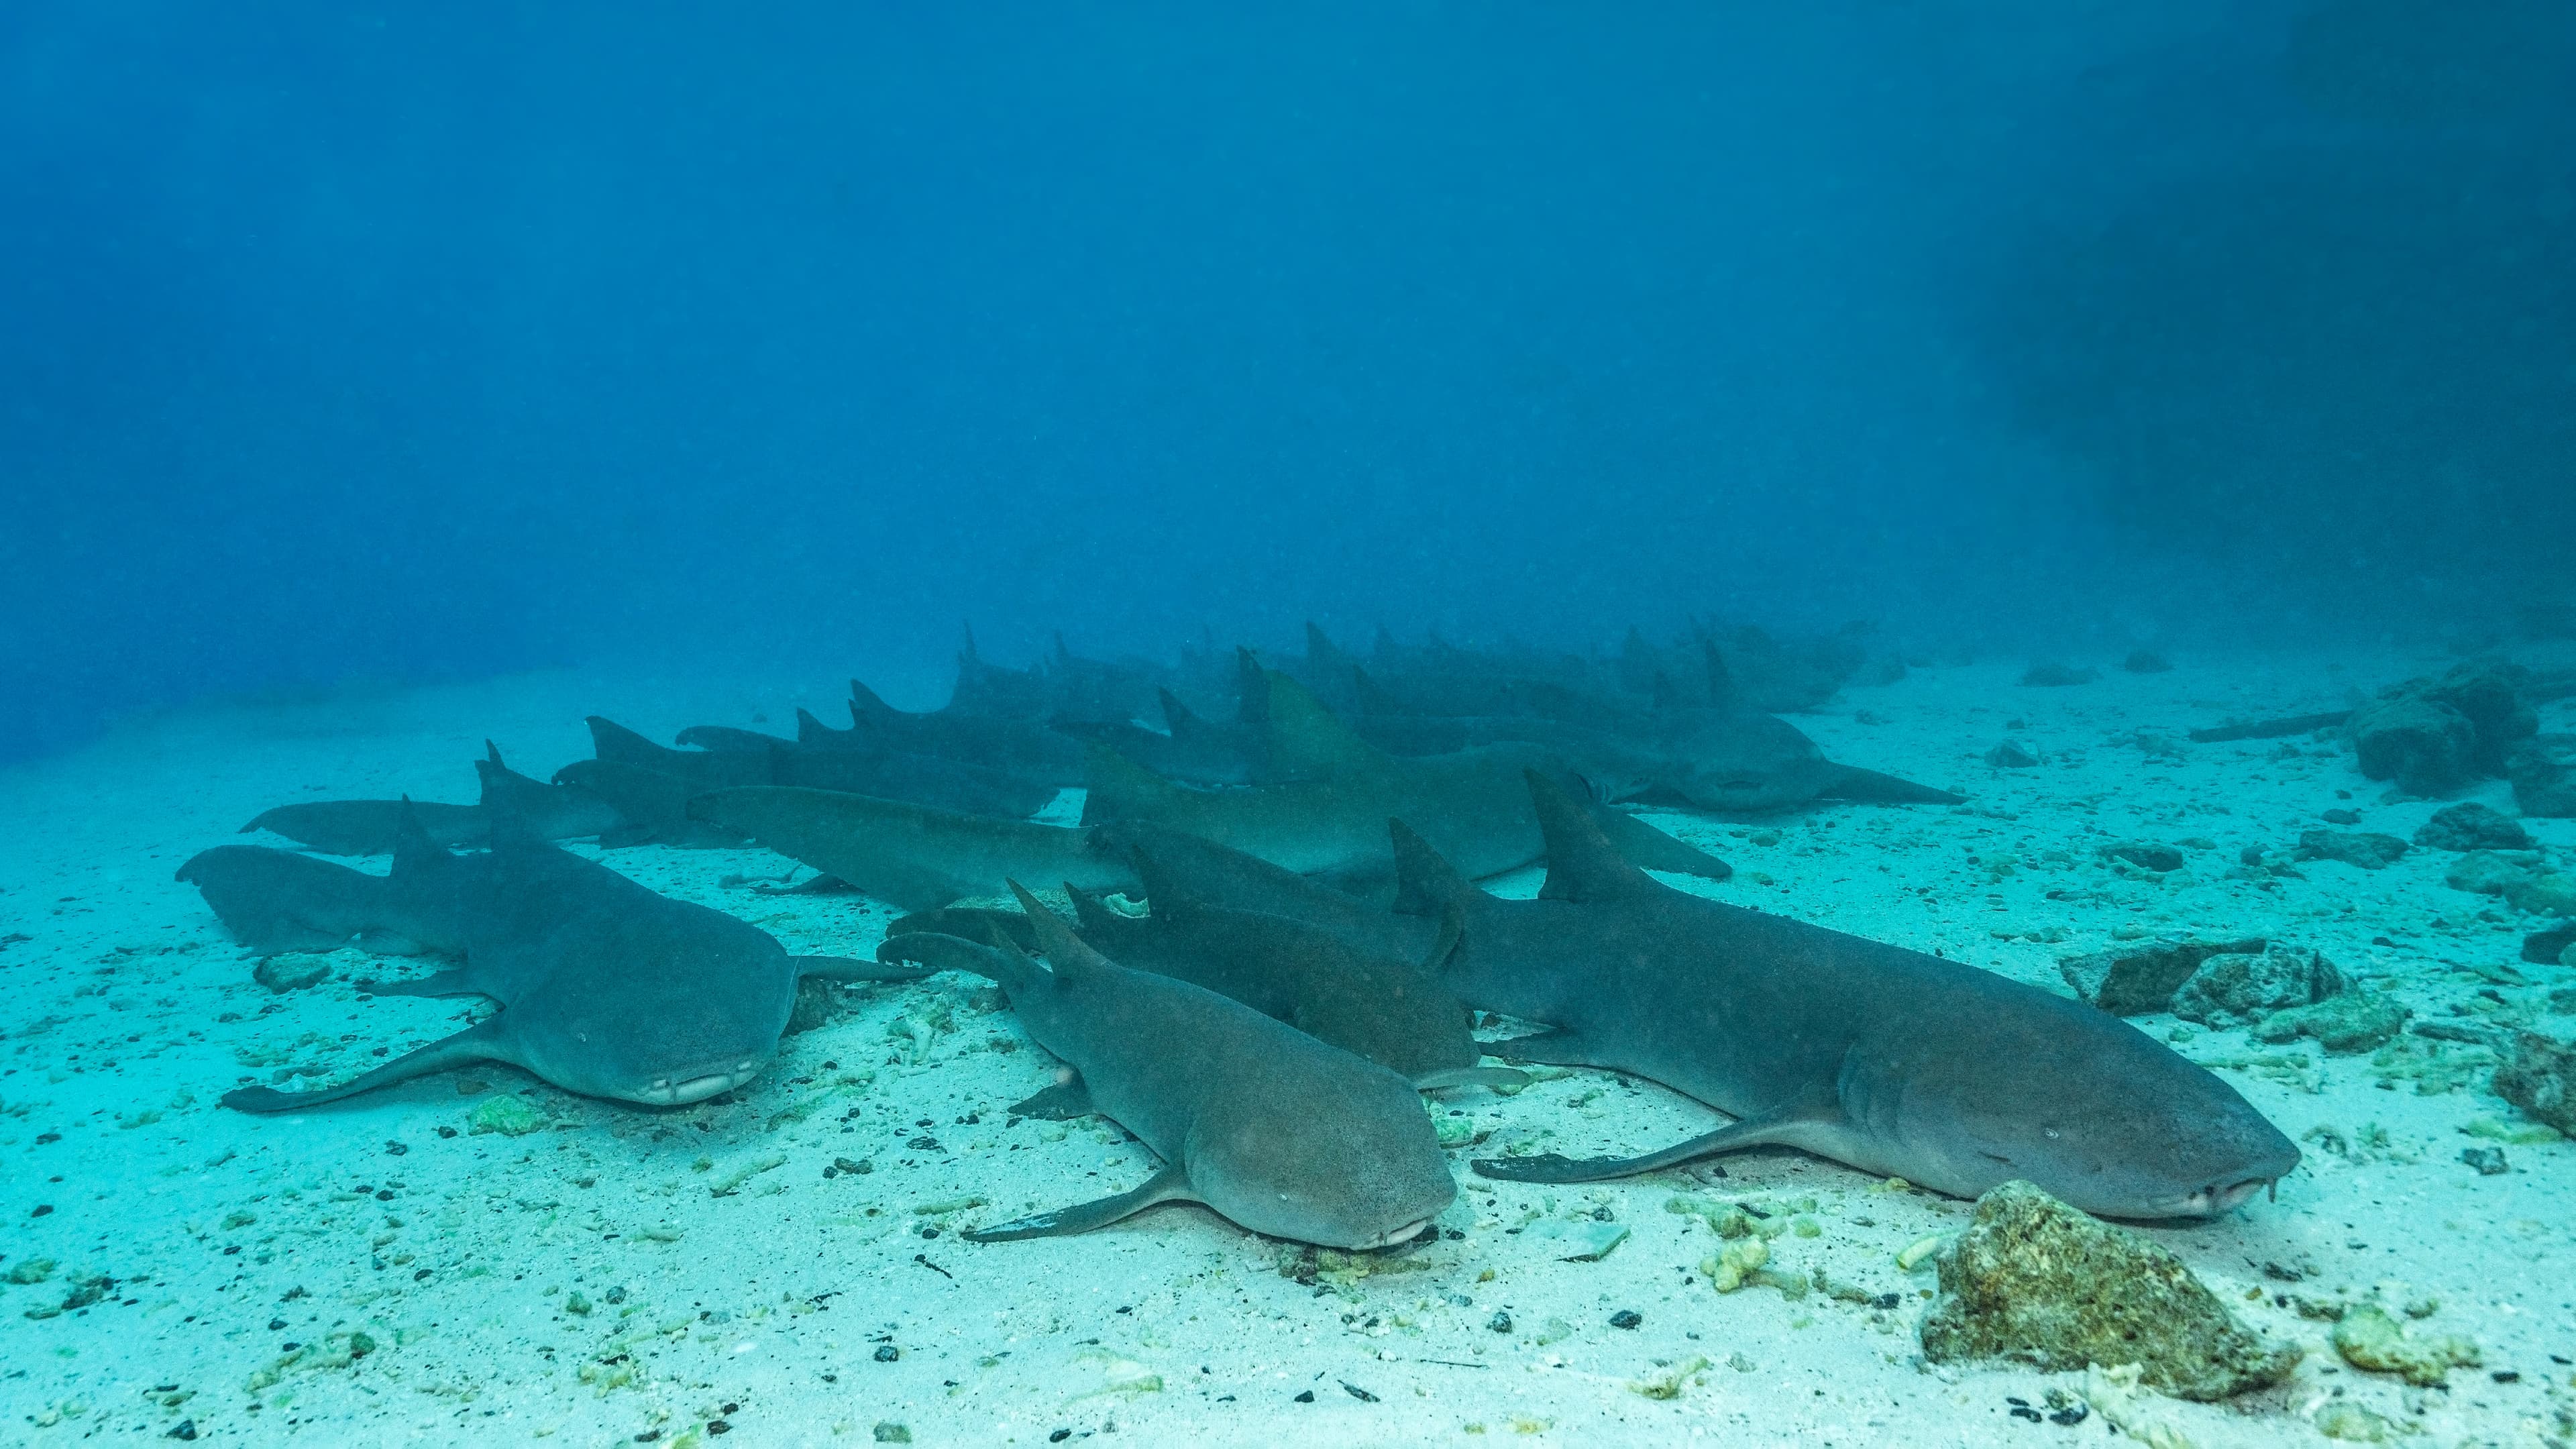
(1425, 882)
(1164, 896)
(1581, 865)
(1067, 955)
(1305, 741)
(1366, 697)
(809, 729)
(1177, 717)
(610, 740)
(1321, 651)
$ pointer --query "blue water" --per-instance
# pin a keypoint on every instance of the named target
(393, 344)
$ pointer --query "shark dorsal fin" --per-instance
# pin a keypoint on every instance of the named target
(1305, 740)
(1117, 788)
(1581, 863)
(1425, 882)
(413, 849)
(1164, 896)
(1251, 690)
(1366, 697)
(809, 729)
(492, 753)
(1721, 684)
(1321, 651)
(1176, 716)
(1067, 954)
(610, 740)
(866, 703)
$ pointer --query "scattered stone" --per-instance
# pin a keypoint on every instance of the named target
(2034, 1280)
(2347, 1421)
(2137, 980)
(2371, 1340)
(2146, 661)
(2340, 816)
(2547, 947)
(2145, 855)
(1501, 1322)
(2344, 1023)
(1626, 1318)
(291, 973)
(889, 1432)
(508, 1114)
(2538, 1075)
(2011, 755)
(2234, 988)
(2366, 849)
(2544, 778)
(1582, 1241)
(2471, 826)
(2426, 747)
(2489, 1161)
(2491, 872)
(2057, 676)
(2552, 893)
(2488, 692)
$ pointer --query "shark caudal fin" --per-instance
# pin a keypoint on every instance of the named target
(1581, 863)
(1426, 884)
(1306, 740)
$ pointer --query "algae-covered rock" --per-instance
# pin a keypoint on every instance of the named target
(819, 1003)
(2367, 849)
(2369, 1339)
(291, 972)
(2233, 988)
(2035, 1280)
(2538, 1075)
(2144, 854)
(509, 1114)
(2544, 778)
(2352, 1021)
(2347, 1421)
(2134, 980)
(2471, 826)
(2491, 872)
(2549, 893)
(2426, 746)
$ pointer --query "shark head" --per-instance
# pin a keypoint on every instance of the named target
(1376, 1178)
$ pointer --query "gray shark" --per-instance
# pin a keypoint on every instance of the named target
(606, 988)
(1277, 1131)
(1889, 1060)
(1328, 813)
(368, 827)
(1394, 1011)
(889, 774)
(1016, 743)
(913, 856)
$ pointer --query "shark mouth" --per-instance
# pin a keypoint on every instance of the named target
(680, 1091)
(2209, 1202)
(1394, 1236)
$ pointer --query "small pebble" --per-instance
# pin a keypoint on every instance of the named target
(1306, 1396)
(1626, 1318)
(1500, 1323)
(888, 1353)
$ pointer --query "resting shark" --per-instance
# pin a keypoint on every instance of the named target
(1889, 1060)
(606, 988)
(368, 827)
(889, 774)
(1328, 813)
(913, 856)
(1275, 1130)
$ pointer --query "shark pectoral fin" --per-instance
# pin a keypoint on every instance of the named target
(1060, 1103)
(1850, 782)
(1555, 1047)
(442, 983)
(481, 1042)
(1496, 1077)
(1169, 1185)
(842, 968)
(1789, 1125)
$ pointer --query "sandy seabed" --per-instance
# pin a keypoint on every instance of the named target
(383, 1272)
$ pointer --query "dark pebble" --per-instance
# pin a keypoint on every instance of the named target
(928, 1231)
(446, 1131)
(888, 1353)
(2341, 817)
(1356, 1392)
(1500, 1323)
(184, 1430)
(395, 1149)
(1059, 1436)
(923, 1143)
(1306, 1396)
(1626, 1318)
(861, 1166)
(728, 1408)
(276, 1325)
(2025, 1411)
(718, 1426)
(2072, 1414)
(40, 1210)
(2506, 1376)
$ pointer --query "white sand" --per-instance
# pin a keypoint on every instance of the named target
(126, 1016)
